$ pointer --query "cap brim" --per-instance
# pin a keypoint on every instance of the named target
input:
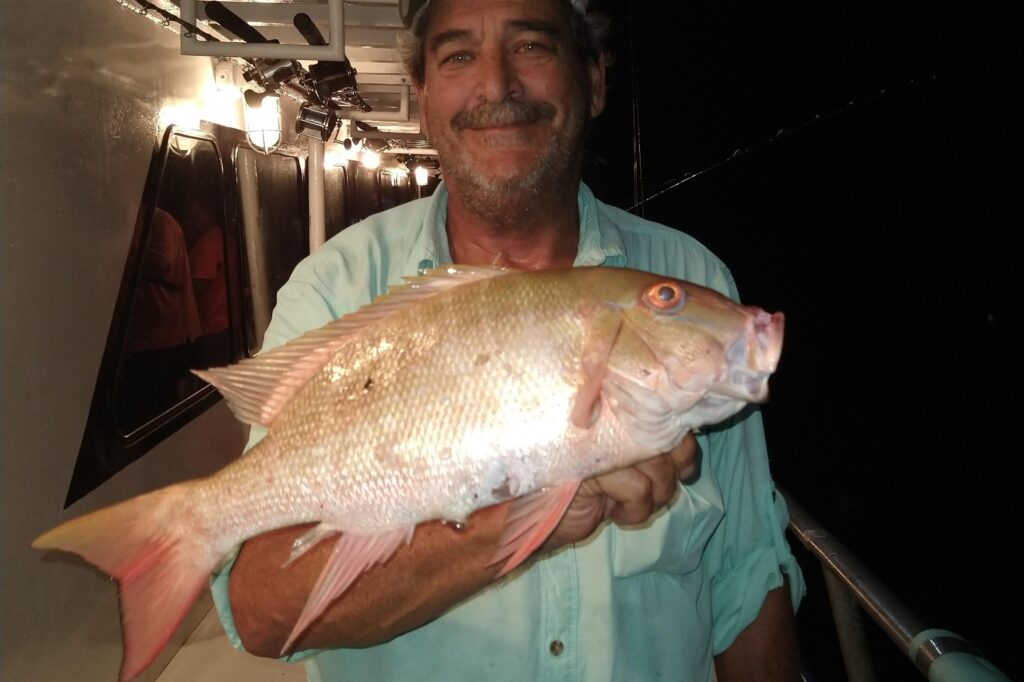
(411, 10)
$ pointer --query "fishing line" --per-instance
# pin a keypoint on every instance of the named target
(638, 165)
(782, 133)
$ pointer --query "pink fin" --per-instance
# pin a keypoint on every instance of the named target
(310, 539)
(352, 556)
(257, 389)
(160, 572)
(530, 521)
(602, 328)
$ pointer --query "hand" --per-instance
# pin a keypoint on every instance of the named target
(627, 496)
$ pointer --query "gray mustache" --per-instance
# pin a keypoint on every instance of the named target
(508, 112)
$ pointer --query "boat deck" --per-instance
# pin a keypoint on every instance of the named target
(207, 656)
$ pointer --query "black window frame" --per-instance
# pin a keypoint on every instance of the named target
(105, 449)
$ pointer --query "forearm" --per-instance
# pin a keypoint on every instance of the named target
(767, 649)
(440, 568)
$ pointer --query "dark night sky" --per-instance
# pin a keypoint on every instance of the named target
(878, 222)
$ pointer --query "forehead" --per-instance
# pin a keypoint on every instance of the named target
(472, 18)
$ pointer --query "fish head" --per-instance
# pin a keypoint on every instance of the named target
(696, 342)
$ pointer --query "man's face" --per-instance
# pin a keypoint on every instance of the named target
(504, 97)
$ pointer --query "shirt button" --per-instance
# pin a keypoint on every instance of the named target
(556, 648)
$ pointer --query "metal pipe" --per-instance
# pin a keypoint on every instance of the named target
(255, 253)
(850, 629)
(942, 656)
(332, 51)
(884, 607)
(315, 173)
(403, 107)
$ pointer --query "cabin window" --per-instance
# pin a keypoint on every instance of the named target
(273, 207)
(365, 198)
(172, 314)
(395, 189)
(178, 317)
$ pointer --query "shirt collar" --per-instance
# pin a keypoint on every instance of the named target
(600, 241)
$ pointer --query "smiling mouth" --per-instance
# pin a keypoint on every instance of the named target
(502, 126)
(508, 128)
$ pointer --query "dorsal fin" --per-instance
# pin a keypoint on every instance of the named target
(257, 388)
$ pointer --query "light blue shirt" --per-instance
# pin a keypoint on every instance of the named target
(647, 603)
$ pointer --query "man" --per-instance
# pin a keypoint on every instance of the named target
(507, 89)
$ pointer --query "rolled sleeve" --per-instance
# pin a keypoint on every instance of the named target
(219, 581)
(748, 554)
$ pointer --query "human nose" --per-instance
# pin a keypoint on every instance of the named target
(498, 78)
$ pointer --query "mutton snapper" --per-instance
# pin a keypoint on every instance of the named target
(463, 388)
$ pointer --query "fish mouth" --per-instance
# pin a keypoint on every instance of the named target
(765, 331)
(752, 358)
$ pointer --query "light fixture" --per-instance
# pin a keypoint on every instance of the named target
(370, 159)
(335, 157)
(353, 151)
(422, 176)
(399, 176)
(184, 115)
(262, 121)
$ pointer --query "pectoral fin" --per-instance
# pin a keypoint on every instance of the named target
(351, 557)
(602, 326)
(530, 521)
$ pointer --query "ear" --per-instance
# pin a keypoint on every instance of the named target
(597, 86)
(421, 100)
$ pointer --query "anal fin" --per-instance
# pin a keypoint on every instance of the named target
(351, 557)
(530, 521)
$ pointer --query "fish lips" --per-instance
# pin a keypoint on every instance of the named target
(752, 358)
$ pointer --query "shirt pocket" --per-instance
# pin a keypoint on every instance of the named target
(674, 539)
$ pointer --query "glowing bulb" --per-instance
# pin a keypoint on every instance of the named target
(353, 152)
(371, 159)
(182, 115)
(221, 106)
(263, 124)
(336, 158)
(421, 176)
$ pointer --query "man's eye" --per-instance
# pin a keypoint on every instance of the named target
(533, 46)
(457, 58)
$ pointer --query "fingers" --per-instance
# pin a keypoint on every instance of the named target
(687, 458)
(636, 492)
(661, 471)
(585, 513)
(630, 495)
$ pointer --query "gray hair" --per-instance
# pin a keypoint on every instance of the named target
(589, 32)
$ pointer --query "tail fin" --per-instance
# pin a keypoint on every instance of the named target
(160, 564)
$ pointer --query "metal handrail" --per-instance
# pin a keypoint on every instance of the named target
(940, 655)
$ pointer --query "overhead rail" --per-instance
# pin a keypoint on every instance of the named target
(332, 49)
(940, 655)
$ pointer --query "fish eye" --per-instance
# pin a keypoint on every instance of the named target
(665, 297)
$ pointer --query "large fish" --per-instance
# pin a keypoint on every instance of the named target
(463, 388)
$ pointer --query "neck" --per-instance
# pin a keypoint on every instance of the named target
(541, 237)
